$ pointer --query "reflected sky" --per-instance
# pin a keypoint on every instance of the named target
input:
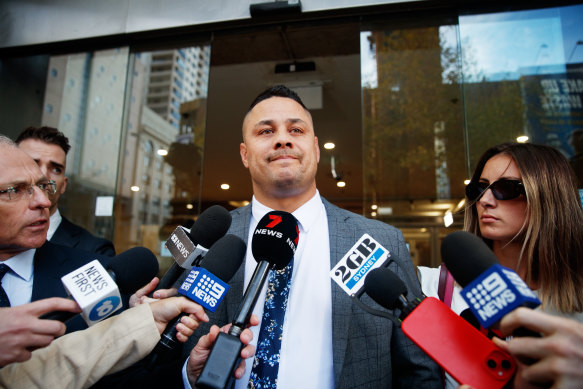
(506, 46)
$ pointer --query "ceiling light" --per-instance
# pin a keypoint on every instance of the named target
(341, 184)
(373, 214)
(522, 139)
(385, 211)
(162, 152)
(460, 205)
(448, 219)
(374, 206)
(135, 188)
(329, 145)
(189, 206)
(466, 182)
(225, 186)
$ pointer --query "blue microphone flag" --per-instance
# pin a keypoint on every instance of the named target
(497, 292)
(204, 288)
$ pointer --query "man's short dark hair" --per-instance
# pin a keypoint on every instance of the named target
(46, 134)
(277, 91)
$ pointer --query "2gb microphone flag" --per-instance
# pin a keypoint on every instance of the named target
(365, 255)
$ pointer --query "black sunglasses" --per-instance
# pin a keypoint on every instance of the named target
(503, 189)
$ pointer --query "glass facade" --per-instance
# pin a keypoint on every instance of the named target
(409, 103)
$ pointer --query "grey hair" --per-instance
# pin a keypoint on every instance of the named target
(7, 141)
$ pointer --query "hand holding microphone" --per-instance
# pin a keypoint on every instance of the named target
(490, 290)
(555, 359)
(202, 349)
(466, 354)
(21, 330)
(204, 284)
(97, 291)
(188, 247)
(273, 245)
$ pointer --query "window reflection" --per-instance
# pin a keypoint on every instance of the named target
(526, 79)
(413, 131)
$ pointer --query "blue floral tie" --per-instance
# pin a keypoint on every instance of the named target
(4, 301)
(266, 362)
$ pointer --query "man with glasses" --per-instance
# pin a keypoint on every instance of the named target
(31, 267)
(48, 147)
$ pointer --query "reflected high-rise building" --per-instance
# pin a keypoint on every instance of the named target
(177, 76)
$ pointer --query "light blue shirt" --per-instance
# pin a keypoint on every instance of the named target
(18, 281)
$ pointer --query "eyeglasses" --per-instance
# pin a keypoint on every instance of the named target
(502, 189)
(19, 191)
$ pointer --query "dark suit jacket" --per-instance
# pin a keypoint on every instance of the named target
(368, 351)
(51, 262)
(72, 235)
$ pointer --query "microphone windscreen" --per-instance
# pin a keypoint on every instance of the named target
(466, 256)
(384, 287)
(213, 223)
(133, 268)
(468, 316)
(275, 239)
(225, 257)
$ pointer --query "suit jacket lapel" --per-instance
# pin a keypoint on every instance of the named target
(47, 274)
(66, 234)
(342, 237)
(239, 227)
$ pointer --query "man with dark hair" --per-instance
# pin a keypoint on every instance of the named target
(49, 147)
(326, 341)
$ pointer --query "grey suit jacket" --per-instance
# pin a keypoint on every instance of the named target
(368, 351)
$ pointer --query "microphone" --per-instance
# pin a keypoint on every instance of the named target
(273, 245)
(188, 248)
(461, 350)
(97, 290)
(490, 290)
(206, 285)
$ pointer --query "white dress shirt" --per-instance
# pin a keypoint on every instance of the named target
(54, 223)
(17, 283)
(306, 347)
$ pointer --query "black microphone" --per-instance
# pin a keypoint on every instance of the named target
(222, 260)
(187, 248)
(273, 244)
(460, 349)
(490, 290)
(130, 270)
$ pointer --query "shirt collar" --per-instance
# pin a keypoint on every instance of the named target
(22, 264)
(306, 215)
(54, 222)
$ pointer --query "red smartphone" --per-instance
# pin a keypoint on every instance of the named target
(459, 348)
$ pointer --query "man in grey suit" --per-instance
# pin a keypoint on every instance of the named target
(327, 341)
(48, 147)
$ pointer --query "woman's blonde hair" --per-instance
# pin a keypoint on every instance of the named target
(552, 237)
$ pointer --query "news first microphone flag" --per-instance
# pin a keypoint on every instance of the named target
(94, 290)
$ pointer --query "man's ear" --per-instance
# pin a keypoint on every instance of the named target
(317, 148)
(243, 152)
(65, 181)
